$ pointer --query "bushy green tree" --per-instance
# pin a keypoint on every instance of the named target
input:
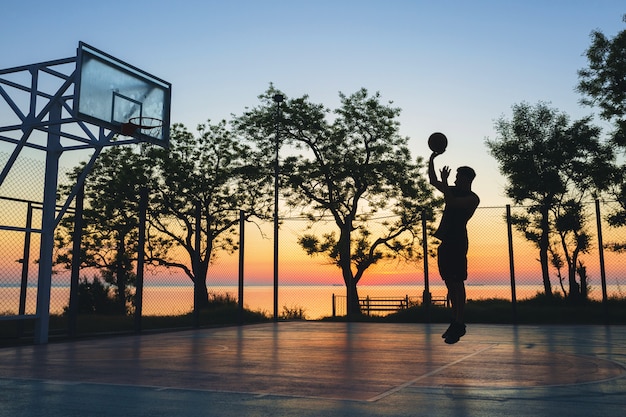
(350, 165)
(95, 297)
(552, 166)
(199, 185)
(110, 218)
(603, 84)
(196, 190)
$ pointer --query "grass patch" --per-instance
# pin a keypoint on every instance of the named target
(92, 325)
(537, 310)
(224, 312)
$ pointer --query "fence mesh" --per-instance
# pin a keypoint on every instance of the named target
(306, 284)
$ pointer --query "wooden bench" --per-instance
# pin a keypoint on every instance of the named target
(377, 304)
(440, 300)
(383, 304)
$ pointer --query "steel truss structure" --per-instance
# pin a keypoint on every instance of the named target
(37, 112)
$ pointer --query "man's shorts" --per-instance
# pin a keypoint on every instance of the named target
(452, 261)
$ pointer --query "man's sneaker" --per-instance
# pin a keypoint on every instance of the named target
(445, 334)
(462, 330)
(454, 333)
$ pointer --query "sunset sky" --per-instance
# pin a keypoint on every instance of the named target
(451, 66)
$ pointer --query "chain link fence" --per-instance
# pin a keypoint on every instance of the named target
(308, 286)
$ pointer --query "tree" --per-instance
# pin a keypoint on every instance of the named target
(352, 169)
(201, 183)
(95, 297)
(110, 232)
(603, 84)
(553, 165)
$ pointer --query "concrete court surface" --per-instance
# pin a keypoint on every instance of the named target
(323, 369)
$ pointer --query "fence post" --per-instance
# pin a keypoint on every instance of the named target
(511, 262)
(426, 296)
(26, 259)
(278, 98)
(76, 261)
(196, 283)
(25, 263)
(241, 264)
(141, 255)
(605, 301)
(334, 306)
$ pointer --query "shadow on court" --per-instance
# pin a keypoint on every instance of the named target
(323, 369)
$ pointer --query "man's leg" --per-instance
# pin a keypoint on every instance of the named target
(456, 293)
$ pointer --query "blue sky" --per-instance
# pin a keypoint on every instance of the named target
(451, 66)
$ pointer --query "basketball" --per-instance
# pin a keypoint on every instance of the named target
(437, 142)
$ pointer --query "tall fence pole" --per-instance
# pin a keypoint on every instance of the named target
(241, 264)
(278, 98)
(196, 260)
(76, 261)
(511, 262)
(25, 264)
(26, 259)
(141, 256)
(426, 297)
(605, 301)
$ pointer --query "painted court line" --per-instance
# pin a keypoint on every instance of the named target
(426, 375)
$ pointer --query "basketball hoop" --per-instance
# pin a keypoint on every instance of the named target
(149, 126)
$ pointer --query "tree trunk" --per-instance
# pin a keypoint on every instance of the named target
(121, 275)
(543, 251)
(345, 262)
(200, 293)
(353, 305)
(574, 288)
(582, 273)
(199, 267)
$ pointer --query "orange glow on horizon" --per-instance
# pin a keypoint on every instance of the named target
(488, 260)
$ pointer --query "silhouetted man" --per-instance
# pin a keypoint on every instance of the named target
(460, 205)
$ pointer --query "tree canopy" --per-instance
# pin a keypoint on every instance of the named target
(196, 190)
(351, 165)
(200, 185)
(603, 84)
(110, 218)
(552, 165)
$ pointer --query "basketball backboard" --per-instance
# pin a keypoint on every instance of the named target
(110, 92)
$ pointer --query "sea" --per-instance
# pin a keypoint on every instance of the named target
(315, 301)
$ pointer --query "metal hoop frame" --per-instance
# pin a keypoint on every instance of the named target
(144, 123)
